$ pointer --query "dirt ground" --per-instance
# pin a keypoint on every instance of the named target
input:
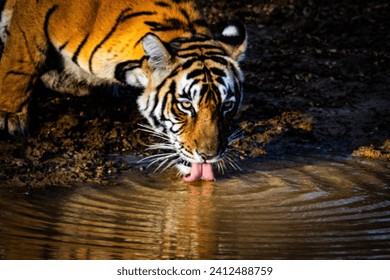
(317, 82)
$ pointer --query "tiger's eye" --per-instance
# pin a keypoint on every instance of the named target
(228, 105)
(186, 104)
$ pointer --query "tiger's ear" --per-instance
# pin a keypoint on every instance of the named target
(233, 38)
(158, 56)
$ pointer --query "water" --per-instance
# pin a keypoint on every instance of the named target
(287, 208)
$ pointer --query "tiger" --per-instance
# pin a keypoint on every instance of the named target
(190, 77)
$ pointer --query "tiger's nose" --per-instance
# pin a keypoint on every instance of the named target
(207, 156)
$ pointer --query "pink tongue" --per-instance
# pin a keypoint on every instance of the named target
(202, 171)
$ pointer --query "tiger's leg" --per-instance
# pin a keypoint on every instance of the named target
(20, 65)
(65, 83)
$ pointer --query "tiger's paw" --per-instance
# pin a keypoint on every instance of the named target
(14, 123)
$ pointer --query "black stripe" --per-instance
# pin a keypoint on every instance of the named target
(161, 85)
(220, 81)
(147, 104)
(156, 96)
(190, 25)
(158, 27)
(201, 22)
(189, 55)
(121, 18)
(185, 14)
(188, 64)
(113, 29)
(204, 93)
(172, 92)
(237, 88)
(208, 77)
(162, 4)
(172, 87)
(198, 38)
(195, 73)
(174, 72)
(78, 50)
(217, 56)
(122, 68)
(154, 120)
(138, 14)
(203, 46)
(236, 72)
(237, 93)
(138, 42)
(163, 104)
(153, 24)
(176, 23)
(194, 82)
(219, 59)
(158, 89)
(46, 23)
(215, 93)
(218, 72)
(17, 73)
(215, 53)
(63, 46)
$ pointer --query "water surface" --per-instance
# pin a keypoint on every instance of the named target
(286, 208)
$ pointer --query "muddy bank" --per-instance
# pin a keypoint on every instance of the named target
(317, 81)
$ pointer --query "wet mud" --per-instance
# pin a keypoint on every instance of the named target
(317, 82)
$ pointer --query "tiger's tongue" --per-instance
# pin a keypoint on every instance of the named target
(202, 171)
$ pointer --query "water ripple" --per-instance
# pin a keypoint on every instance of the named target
(276, 209)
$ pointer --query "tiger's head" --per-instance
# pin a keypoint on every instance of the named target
(193, 88)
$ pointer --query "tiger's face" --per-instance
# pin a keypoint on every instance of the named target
(192, 91)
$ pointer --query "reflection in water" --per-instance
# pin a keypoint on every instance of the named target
(278, 209)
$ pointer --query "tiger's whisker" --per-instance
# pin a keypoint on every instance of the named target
(163, 159)
(153, 156)
(160, 157)
(160, 165)
(152, 131)
(161, 147)
(233, 162)
(220, 167)
(174, 161)
(235, 136)
(157, 135)
(223, 165)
